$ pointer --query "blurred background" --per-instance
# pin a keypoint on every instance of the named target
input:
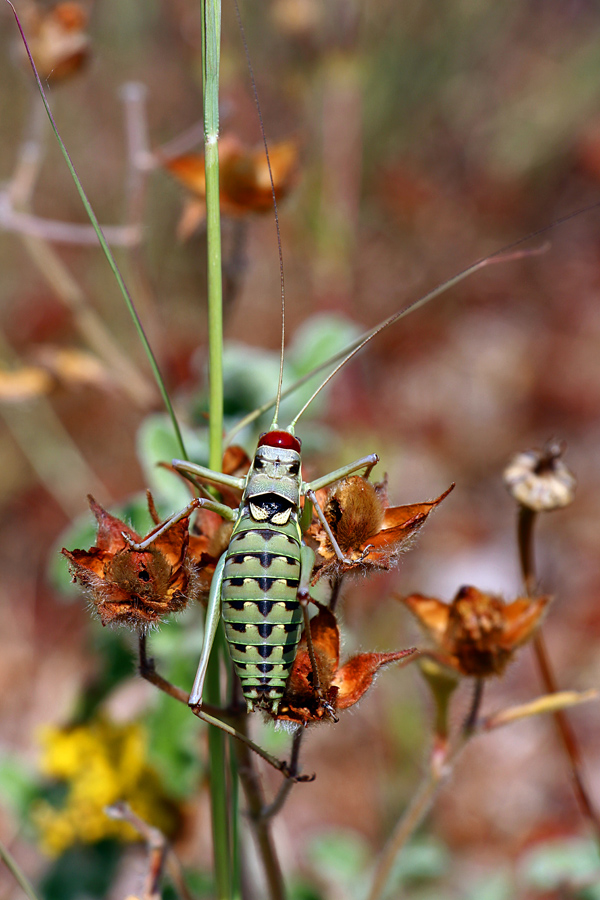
(424, 136)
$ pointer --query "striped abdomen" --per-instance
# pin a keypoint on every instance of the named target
(261, 613)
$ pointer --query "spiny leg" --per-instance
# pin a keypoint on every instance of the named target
(197, 503)
(189, 468)
(366, 462)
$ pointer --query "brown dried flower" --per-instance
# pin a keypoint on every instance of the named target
(57, 40)
(128, 587)
(369, 531)
(245, 185)
(477, 633)
(539, 479)
(341, 686)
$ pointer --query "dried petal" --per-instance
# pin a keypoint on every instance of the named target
(539, 479)
(341, 686)
(245, 185)
(356, 676)
(432, 614)
(400, 524)
(301, 702)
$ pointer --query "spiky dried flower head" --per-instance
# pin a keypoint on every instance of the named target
(539, 479)
(130, 587)
(341, 685)
(477, 634)
(369, 532)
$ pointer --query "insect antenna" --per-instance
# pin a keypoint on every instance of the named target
(275, 210)
(507, 253)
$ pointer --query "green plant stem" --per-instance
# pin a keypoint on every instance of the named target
(222, 814)
(212, 38)
(220, 806)
(19, 876)
(525, 530)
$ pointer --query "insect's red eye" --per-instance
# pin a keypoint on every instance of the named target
(282, 439)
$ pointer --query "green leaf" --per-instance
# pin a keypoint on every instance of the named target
(156, 444)
(83, 871)
(423, 860)
(340, 857)
(547, 866)
(18, 785)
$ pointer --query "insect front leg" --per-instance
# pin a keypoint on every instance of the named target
(366, 462)
(308, 489)
(204, 474)
(197, 503)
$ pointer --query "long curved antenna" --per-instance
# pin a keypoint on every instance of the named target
(504, 254)
(275, 209)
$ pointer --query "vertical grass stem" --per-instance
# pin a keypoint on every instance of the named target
(220, 801)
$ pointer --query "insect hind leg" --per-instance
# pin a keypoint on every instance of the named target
(307, 561)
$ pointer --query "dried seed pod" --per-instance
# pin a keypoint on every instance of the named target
(477, 633)
(369, 532)
(539, 479)
(130, 587)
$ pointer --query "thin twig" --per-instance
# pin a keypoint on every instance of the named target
(18, 874)
(158, 847)
(58, 232)
(224, 720)
(526, 524)
(260, 826)
(471, 719)
(275, 807)
(413, 816)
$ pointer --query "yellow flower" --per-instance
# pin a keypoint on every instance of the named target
(100, 763)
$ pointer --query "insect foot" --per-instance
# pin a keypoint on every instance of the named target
(339, 686)
(369, 532)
